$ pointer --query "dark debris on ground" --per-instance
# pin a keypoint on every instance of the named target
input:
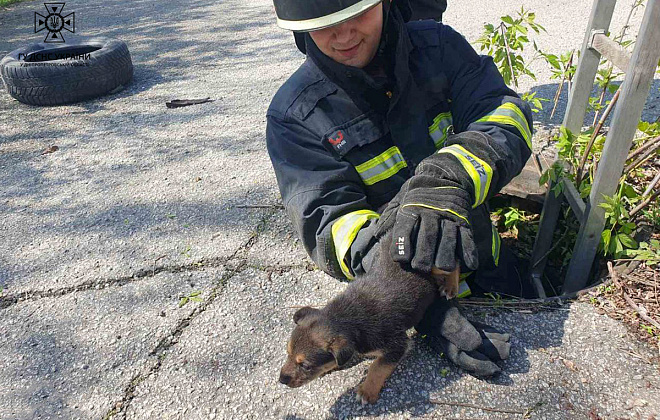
(632, 298)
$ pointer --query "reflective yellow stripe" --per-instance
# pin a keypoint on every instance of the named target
(496, 246)
(510, 114)
(480, 172)
(439, 130)
(463, 288)
(382, 166)
(344, 231)
(436, 208)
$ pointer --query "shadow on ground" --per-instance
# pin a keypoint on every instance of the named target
(423, 375)
(651, 111)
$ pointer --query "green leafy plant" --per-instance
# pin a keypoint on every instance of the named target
(554, 174)
(649, 252)
(580, 153)
(496, 298)
(535, 102)
(506, 42)
(511, 216)
(617, 238)
(192, 297)
(561, 66)
(650, 329)
(186, 252)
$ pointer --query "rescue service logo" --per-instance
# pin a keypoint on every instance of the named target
(337, 140)
(54, 22)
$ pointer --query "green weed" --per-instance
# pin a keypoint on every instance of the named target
(192, 297)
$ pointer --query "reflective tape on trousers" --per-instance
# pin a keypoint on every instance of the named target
(496, 246)
(463, 289)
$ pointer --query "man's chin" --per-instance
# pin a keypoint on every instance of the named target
(357, 62)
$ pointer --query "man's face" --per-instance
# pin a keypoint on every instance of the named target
(354, 42)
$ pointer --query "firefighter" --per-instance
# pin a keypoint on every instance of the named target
(381, 98)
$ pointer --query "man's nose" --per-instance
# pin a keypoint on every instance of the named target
(344, 32)
(285, 379)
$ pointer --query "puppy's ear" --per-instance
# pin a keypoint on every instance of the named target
(341, 350)
(304, 312)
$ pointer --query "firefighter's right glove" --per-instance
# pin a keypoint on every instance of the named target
(431, 226)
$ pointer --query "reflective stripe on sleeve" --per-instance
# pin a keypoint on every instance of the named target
(510, 114)
(344, 231)
(480, 172)
(382, 166)
(496, 246)
(440, 129)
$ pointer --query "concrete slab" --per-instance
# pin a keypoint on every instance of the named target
(226, 366)
(72, 356)
(132, 180)
(278, 245)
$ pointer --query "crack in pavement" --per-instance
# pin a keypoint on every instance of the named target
(31, 295)
(163, 346)
(147, 273)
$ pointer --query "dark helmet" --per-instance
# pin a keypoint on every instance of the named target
(312, 15)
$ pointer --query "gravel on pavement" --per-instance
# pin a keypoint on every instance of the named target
(141, 206)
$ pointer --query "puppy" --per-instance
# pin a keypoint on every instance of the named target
(369, 318)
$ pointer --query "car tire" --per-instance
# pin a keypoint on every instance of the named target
(47, 74)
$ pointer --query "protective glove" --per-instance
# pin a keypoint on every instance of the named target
(473, 346)
(458, 177)
(431, 226)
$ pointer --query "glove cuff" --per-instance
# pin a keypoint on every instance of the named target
(469, 160)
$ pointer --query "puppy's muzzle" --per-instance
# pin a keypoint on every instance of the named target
(285, 379)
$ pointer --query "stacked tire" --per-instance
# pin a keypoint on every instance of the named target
(47, 74)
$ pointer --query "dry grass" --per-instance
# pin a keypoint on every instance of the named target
(8, 2)
(633, 299)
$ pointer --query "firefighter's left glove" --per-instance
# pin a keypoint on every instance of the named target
(431, 226)
(473, 346)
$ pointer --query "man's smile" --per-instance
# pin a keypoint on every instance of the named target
(349, 52)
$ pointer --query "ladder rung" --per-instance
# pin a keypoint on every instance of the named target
(573, 197)
(610, 50)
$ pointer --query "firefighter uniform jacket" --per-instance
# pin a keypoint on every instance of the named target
(340, 155)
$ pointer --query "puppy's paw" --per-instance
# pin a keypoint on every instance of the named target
(367, 394)
(447, 281)
(449, 290)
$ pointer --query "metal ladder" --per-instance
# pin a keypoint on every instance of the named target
(640, 69)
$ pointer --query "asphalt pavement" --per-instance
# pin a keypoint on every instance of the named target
(149, 272)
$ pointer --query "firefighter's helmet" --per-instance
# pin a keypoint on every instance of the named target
(312, 15)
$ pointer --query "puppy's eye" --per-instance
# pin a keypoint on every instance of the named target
(305, 367)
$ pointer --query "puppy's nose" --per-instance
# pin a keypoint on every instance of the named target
(285, 379)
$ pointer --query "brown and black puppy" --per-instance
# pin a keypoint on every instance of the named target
(370, 318)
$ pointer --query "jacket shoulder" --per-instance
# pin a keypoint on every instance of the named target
(424, 33)
(298, 96)
(429, 33)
